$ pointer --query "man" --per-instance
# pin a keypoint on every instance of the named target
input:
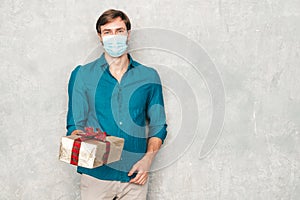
(119, 96)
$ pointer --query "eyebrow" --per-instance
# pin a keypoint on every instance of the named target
(117, 29)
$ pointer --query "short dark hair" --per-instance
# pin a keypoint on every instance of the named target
(109, 15)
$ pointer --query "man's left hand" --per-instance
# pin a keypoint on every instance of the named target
(141, 168)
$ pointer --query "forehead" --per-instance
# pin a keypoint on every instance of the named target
(115, 24)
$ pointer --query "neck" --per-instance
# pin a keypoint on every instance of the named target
(117, 64)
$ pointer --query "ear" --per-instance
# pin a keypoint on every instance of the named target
(100, 37)
(128, 35)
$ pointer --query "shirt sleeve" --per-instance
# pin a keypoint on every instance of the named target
(156, 112)
(78, 103)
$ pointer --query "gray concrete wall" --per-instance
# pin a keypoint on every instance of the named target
(253, 45)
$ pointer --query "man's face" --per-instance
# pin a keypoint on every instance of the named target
(116, 27)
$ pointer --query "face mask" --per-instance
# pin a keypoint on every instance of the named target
(115, 45)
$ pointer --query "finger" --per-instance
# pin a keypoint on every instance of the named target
(142, 178)
(144, 181)
(76, 132)
(136, 178)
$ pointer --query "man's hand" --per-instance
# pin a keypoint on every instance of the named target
(76, 132)
(142, 168)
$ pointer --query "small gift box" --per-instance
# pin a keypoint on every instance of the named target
(91, 149)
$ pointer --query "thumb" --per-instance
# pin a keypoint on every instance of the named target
(133, 169)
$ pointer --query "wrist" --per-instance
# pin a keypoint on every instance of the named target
(150, 156)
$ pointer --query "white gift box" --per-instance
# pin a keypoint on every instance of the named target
(91, 151)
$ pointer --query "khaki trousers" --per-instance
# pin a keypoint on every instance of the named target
(95, 189)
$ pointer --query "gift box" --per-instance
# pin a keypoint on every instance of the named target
(91, 149)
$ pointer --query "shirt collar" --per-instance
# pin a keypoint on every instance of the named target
(103, 63)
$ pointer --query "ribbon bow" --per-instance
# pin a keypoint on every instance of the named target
(90, 134)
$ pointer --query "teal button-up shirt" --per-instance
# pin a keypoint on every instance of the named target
(97, 99)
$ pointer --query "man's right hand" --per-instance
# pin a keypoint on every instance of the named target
(76, 132)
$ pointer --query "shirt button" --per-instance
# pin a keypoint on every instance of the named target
(120, 123)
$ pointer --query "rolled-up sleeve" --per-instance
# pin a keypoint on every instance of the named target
(78, 103)
(156, 112)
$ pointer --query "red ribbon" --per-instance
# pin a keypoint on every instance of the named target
(89, 135)
(75, 152)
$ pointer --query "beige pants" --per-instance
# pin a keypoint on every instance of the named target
(95, 189)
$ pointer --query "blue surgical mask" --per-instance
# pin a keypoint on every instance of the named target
(115, 45)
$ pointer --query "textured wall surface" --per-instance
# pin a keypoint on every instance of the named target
(254, 45)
